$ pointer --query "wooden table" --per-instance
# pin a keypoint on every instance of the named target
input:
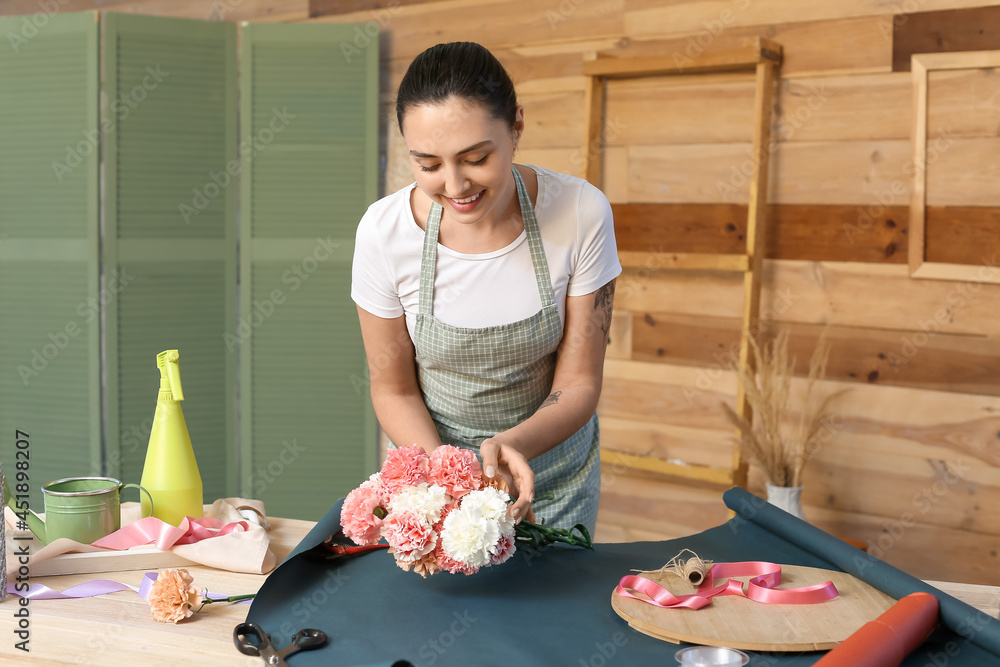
(117, 629)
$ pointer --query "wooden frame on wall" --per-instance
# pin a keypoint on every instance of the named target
(763, 57)
(922, 64)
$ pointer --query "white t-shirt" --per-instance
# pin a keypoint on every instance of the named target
(488, 289)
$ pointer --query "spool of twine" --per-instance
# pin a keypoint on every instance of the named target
(694, 569)
(3, 544)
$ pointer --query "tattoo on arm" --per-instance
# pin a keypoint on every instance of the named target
(604, 300)
(551, 400)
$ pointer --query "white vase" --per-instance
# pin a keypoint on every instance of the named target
(788, 498)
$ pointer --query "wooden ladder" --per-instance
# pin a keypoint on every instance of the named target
(764, 57)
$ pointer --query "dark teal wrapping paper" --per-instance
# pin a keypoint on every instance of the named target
(552, 609)
(956, 616)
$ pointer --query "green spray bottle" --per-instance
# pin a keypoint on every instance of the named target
(170, 473)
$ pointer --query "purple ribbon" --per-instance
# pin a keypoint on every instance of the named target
(98, 587)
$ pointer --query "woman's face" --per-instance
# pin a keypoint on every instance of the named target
(462, 158)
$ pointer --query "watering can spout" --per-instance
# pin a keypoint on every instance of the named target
(34, 522)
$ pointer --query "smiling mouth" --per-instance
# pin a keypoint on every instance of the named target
(468, 200)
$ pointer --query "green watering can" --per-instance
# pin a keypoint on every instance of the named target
(84, 509)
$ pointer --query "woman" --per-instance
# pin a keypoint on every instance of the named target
(485, 291)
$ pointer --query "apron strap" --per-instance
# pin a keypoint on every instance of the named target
(538, 260)
(428, 260)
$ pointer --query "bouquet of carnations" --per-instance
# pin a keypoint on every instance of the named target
(438, 512)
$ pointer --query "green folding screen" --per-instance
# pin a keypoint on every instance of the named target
(309, 111)
(50, 377)
(232, 246)
(170, 233)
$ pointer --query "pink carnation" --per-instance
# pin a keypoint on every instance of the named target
(357, 516)
(380, 490)
(445, 511)
(456, 469)
(425, 566)
(449, 564)
(409, 535)
(504, 550)
(404, 466)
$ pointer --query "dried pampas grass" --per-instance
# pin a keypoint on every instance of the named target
(781, 458)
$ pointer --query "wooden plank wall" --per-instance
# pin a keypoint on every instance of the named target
(912, 465)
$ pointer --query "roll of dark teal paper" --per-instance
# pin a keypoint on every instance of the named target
(965, 621)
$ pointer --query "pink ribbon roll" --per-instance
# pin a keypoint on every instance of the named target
(762, 587)
(151, 530)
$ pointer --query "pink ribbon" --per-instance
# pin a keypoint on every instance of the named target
(97, 587)
(152, 530)
(761, 587)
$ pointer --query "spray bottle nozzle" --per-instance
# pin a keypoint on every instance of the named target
(167, 362)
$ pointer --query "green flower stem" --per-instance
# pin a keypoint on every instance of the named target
(549, 535)
(231, 598)
(532, 536)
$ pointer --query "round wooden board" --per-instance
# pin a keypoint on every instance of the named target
(741, 623)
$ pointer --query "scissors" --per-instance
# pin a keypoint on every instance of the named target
(339, 545)
(304, 640)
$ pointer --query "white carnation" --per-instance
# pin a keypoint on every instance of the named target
(427, 500)
(490, 503)
(468, 536)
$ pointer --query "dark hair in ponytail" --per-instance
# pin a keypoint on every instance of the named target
(465, 70)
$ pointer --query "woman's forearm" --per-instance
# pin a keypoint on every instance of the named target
(399, 405)
(576, 386)
(566, 410)
(404, 418)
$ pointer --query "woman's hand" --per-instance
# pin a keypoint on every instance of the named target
(500, 458)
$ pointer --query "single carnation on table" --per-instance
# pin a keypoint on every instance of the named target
(173, 596)
(438, 512)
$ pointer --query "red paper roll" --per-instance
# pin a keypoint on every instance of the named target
(887, 640)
